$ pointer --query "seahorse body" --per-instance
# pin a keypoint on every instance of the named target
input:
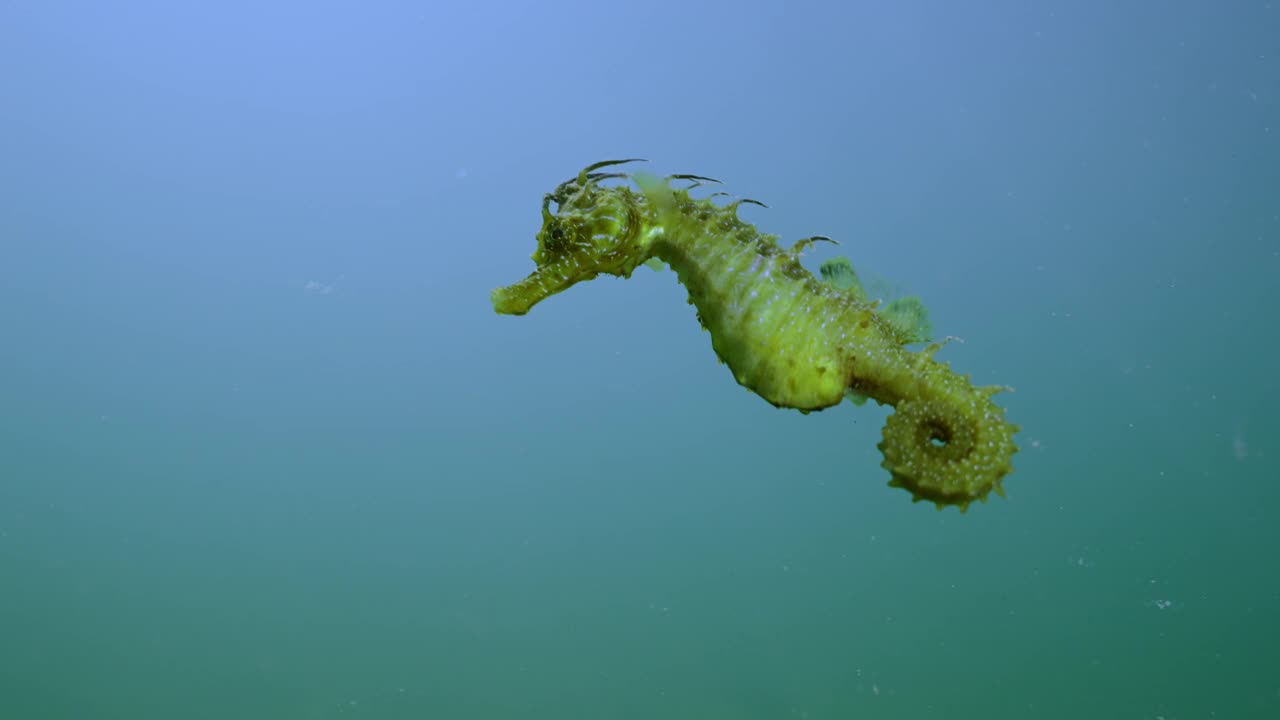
(793, 339)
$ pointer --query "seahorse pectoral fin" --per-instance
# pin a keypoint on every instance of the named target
(856, 397)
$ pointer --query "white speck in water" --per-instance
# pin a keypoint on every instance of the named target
(316, 286)
(1239, 446)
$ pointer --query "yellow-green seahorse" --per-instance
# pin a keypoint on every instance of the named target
(794, 340)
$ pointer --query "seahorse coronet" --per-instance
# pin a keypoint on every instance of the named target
(793, 339)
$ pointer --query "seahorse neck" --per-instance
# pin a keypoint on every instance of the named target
(723, 274)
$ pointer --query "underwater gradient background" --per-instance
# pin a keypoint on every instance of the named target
(267, 452)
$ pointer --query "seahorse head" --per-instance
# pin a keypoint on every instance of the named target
(587, 230)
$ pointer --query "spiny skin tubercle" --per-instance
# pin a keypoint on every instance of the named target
(793, 339)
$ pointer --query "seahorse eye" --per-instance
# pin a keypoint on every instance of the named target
(553, 235)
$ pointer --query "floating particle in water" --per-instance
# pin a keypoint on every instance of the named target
(1239, 446)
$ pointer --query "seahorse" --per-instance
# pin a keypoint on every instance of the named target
(795, 340)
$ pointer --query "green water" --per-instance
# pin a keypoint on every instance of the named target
(266, 452)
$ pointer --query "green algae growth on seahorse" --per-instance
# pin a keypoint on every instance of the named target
(796, 340)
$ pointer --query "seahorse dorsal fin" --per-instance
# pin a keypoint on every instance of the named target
(838, 272)
(909, 319)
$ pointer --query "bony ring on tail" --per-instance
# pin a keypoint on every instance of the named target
(793, 339)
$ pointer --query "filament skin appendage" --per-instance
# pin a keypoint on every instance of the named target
(794, 339)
